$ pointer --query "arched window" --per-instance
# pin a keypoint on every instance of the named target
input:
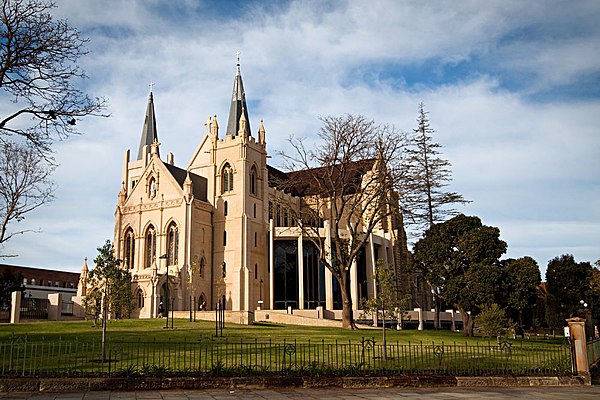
(129, 250)
(225, 208)
(173, 243)
(140, 298)
(202, 265)
(227, 178)
(224, 269)
(253, 180)
(224, 238)
(150, 246)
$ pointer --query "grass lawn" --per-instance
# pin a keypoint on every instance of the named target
(134, 346)
(153, 329)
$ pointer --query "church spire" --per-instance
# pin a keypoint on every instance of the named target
(238, 105)
(149, 133)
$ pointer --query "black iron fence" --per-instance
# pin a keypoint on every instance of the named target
(222, 357)
(34, 308)
(593, 351)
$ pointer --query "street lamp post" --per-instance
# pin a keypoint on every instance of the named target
(167, 299)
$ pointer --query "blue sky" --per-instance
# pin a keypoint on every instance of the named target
(512, 87)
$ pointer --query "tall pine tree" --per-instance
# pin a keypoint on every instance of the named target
(425, 198)
(426, 201)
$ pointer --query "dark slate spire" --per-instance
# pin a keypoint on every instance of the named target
(238, 105)
(149, 134)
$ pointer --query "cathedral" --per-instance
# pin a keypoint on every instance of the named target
(219, 230)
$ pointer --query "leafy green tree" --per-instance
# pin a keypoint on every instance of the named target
(109, 289)
(388, 304)
(567, 282)
(520, 280)
(463, 255)
(492, 320)
(425, 198)
(9, 283)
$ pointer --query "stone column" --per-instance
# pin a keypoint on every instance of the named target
(272, 265)
(55, 306)
(578, 340)
(15, 307)
(300, 257)
(354, 285)
(328, 275)
(420, 311)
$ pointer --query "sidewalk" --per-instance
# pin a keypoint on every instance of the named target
(545, 392)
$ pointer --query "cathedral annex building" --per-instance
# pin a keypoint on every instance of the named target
(220, 230)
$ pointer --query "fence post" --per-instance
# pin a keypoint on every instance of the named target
(578, 340)
(15, 308)
(55, 306)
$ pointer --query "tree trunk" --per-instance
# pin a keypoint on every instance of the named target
(468, 322)
(347, 312)
(436, 318)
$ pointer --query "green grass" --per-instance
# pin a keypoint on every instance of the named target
(153, 329)
(138, 347)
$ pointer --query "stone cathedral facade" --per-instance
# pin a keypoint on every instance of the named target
(218, 230)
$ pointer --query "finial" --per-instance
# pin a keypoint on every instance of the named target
(237, 53)
(151, 85)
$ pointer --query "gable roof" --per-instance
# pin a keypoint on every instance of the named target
(321, 180)
(199, 183)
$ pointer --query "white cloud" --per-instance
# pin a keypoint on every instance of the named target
(526, 165)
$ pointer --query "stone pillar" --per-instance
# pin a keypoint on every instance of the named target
(354, 285)
(300, 256)
(272, 265)
(328, 275)
(55, 306)
(420, 311)
(15, 307)
(578, 341)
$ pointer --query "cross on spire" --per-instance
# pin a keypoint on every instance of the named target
(237, 54)
(151, 84)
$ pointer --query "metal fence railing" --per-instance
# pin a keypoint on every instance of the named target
(222, 357)
(66, 308)
(34, 308)
(593, 351)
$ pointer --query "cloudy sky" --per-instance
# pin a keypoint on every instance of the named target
(512, 87)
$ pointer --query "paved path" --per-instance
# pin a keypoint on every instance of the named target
(545, 392)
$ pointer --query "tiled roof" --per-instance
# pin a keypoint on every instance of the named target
(199, 183)
(321, 180)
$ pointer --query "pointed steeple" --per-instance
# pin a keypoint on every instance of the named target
(149, 133)
(238, 106)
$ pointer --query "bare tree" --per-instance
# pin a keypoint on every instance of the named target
(38, 71)
(424, 198)
(24, 185)
(345, 187)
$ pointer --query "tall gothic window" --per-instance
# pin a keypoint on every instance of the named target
(253, 180)
(140, 298)
(173, 243)
(227, 177)
(129, 255)
(202, 265)
(150, 246)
